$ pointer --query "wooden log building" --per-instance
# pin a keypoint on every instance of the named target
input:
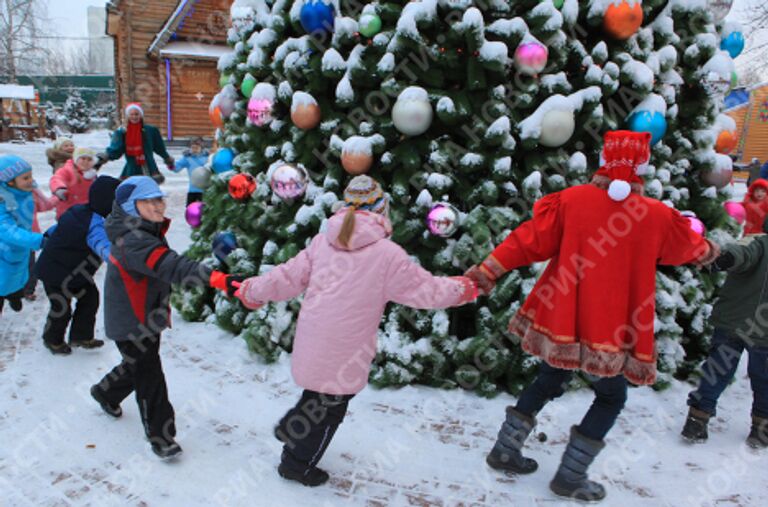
(166, 53)
(21, 117)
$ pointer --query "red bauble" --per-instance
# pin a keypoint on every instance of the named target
(241, 186)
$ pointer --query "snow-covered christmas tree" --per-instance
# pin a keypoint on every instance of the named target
(467, 112)
(75, 113)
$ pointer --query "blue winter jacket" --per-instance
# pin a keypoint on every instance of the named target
(191, 162)
(764, 171)
(17, 210)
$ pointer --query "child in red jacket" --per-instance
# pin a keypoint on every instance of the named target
(756, 206)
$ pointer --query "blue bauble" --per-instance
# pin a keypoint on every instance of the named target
(223, 244)
(734, 44)
(647, 121)
(222, 160)
(317, 17)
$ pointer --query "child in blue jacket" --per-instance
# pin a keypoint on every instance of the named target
(17, 212)
(195, 157)
(74, 250)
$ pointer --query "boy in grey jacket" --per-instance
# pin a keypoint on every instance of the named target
(140, 273)
(740, 318)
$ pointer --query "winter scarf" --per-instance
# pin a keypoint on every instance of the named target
(134, 142)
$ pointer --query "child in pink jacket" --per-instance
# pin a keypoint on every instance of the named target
(347, 274)
(70, 183)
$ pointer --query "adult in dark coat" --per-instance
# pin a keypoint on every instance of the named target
(139, 142)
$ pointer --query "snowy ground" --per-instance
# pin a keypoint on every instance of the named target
(413, 446)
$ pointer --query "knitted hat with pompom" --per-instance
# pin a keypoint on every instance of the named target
(365, 193)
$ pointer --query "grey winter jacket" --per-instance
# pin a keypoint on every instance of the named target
(742, 305)
(140, 273)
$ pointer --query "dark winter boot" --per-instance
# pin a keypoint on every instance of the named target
(309, 477)
(87, 344)
(506, 454)
(695, 429)
(758, 437)
(58, 348)
(165, 447)
(96, 394)
(571, 479)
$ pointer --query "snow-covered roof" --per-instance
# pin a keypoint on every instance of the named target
(13, 91)
(161, 39)
(194, 50)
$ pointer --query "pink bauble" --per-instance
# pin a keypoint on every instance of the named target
(697, 225)
(194, 214)
(736, 211)
(443, 220)
(531, 57)
(260, 111)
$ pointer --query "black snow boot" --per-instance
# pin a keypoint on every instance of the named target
(506, 455)
(571, 479)
(87, 344)
(165, 447)
(312, 477)
(58, 348)
(695, 429)
(96, 394)
(758, 437)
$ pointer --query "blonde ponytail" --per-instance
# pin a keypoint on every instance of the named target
(347, 228)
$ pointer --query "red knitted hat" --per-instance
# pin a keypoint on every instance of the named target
(623, 152)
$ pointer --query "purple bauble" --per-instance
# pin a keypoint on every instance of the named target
(260, 111)
(531, 57)
(443, 220)
(736, 211)
(194, 214)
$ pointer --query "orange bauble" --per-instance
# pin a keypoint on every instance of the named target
(726, 142)
(356, 163)
(623, 20)
(216, 118)
(306, 116)
(241, 186)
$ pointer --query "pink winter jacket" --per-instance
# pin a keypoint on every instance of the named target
(42, 203)
(69, 177)
(345, 292)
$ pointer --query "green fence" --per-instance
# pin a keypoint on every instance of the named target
(56, 89)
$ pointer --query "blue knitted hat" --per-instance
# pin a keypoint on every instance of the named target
(11, 167)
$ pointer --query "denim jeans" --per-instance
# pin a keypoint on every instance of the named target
(610, 396)
(720, 367)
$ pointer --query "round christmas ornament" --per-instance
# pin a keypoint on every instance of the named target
(223, 245)
(289, 181)
(369, 24)
(201, 177)
(721, 175)
(357, 155)
(697, 225)
(733, 43)
(557, 126)
(223, 80)
(558, 4)
(247, 86)
(214, 113)
(623, 18)
(736, 211)
(222, 160)
(305, 112)
(241, 187)
(260, 111)
(649, 121)
(194, 214)
(531, 57)
(443, 220)
(412, 112)
(225, 103)
(316, 16)
(719, 8)
(726, 142)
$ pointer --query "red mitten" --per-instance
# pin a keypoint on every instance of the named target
(241, 294)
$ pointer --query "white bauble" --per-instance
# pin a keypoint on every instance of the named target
(557, 126)
(412, 113)
(201, 177)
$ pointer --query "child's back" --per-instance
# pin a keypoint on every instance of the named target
(346, 290)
